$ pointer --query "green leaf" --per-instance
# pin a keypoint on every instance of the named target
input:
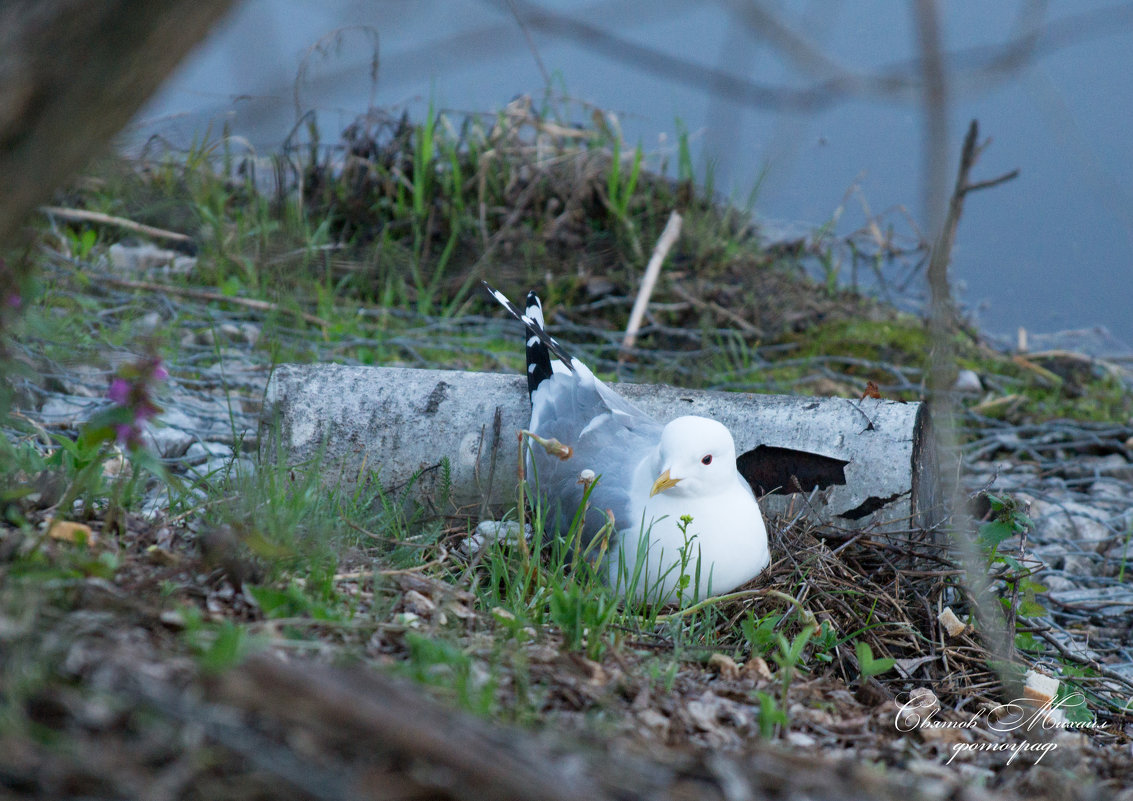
(993, 533)
(869, 665)
(227, 648)
(1010, 561)
(231, 287)
(770, 715)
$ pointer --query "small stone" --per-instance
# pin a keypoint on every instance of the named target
(85, 381)
(162, 556)
(166, 441)
(654, 721)
(224, 469)
(149, 323)
(149, 260)
(200, 452)
(172, 618)
(1079, 564)
(491, 531)
(176, 417)
(1109, 488)
(251, 333)
(968, 381)
(460, 610)
(117, 466)
(1113, 464)
(230, 331)
(703, 713)
(68, 412)
(1072, 527)
(1058, 583)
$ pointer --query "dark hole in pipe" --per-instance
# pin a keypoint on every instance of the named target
(771, 470)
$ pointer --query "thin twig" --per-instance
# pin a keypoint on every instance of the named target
(668, 237)
(530, 44)
(82, 215)
(1002, 179)
(717, 309)
(204, 294)
(805, 614)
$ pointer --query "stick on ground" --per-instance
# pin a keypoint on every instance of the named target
(669, 236)
(83, 215)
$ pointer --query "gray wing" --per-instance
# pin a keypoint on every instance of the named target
(608, 435)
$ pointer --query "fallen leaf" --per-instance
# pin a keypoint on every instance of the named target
(871, 391)
(65, 531)
(724, 665)
(756, 668)
(592, 670)
(418, 604)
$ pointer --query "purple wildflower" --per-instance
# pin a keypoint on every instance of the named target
(119, 391)
(132, 390)
(144, 411)
(13, 301)
(125, 433)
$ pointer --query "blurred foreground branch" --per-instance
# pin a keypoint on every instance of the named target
(997, 638)
(440, 753)
(72, 74)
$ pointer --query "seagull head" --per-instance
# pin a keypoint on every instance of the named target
(696, 456)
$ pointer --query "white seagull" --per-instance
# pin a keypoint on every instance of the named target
(651, 478)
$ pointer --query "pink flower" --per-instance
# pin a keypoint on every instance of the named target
(144, 411)
(159, 372)
(119, 391)
(125, 433)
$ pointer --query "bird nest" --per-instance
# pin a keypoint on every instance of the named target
(885, 591)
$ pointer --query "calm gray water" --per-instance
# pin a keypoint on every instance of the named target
(1051, 250)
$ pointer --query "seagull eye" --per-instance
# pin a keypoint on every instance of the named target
(706, 460)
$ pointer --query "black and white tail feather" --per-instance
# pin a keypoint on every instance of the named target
(545, 356)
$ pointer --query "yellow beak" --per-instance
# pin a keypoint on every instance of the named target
(663, 482)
